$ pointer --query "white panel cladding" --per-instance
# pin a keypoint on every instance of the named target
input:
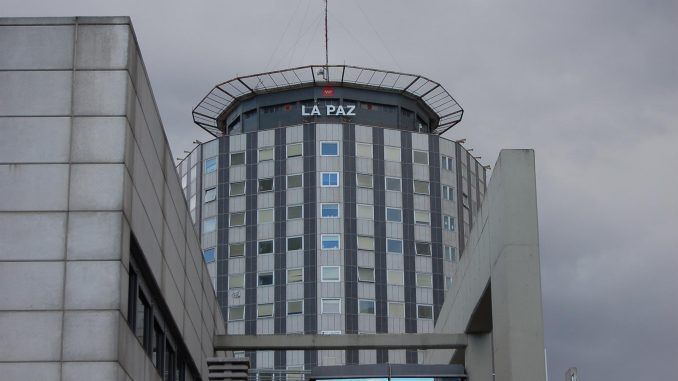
(265, 294)
(35, 93)
(237, 204)
(364, 165)
(334, 357)
(266, 169)
(236, 328)
(329, 132)
(393, 169)
(266, 231)
(295, 291)
(395, 293)
(423, 264)
(236, 265)
(209, 240)
(328, 258)
(424, 295)
(451, 237)
(366, 290)
(295, 357)
(295, 259)
(236, 234)
(420, 172)
(266, 200)
(420, 141)
(265, 359)
(209, 180)
(422, 233)
(425, 325)
(210, 148)
(422, 202)
(238, 174)
(394, 261)
(330, 225)
(294, 134)
(364, 196)
(40, 187)
(209, 210)
(367, 323)
(266, 138)
(237, 143)
(17, 236)
(363, 134)
(295, 324)
(394, 230)
(366, 259)
(294, 196)
(394, 199)
(295, 227)
(396, 356)
(236, 297)
(34, 140)
(330, 290)
(331, 322)
(330, 194)
(367, 356)
(294, 165)
(265, 262)
(392, 137)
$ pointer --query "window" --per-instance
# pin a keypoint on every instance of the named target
(184, 181)
(424, 280)
(295, 243)
(329, 148)
(363, 150)
(237, 158)
(295, 307)
(394, 215)
(365, 243)
(395, 277)
(236, 313)
(237, 189)
(394, 246)
(294, 150)
(329, 210)
(239, 354)
(295, 181)
(210, 165)
(210, 195)
(447, 163)
(391, 153)
(266, 185)
(236, 250)
(422, 248)
(329, 179)
(424, 311)
(295, 275)
(295, 211)
(265, 216)
(364, 211)
(191, 203)
(266, 153)
(393, 184)
(330, 274)
(142, 319)
(366, 306)
(365, 274)
(330, 242)
(330, 306)
(265, 310)
(448, 193)
(448, 282)
(422, 218)
(449, 253)
(448, 223)
(421, 187)
(419, 157)
(237, 219)
(464, 199)
(266, 247)
(363, 181)
(192, 173)
(209, 225)
(396, 309)
(265, 279)
(236, 281)
(209, 254)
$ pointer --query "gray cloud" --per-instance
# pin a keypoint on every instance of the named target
(591, 85)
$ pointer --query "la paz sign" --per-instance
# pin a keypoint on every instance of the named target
(330, 110)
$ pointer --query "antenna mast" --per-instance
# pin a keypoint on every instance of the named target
(327, 60)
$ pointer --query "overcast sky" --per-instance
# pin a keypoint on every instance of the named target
(592, 86)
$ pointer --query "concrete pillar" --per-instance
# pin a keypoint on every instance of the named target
(478, 357)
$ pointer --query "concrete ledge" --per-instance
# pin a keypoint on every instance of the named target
(349, 341)
(102, 20)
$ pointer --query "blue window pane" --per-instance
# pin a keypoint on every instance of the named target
(211, 165)
(209, 255)
(330, 179)
(394, 246)
(329, 148)
(330, 243)
(330, 211)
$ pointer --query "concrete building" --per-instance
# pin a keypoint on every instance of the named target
(330, 203)
(101, 272)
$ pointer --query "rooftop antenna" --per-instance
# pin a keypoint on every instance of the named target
(327, 59)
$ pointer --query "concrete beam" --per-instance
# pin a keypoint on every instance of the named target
(349, 341)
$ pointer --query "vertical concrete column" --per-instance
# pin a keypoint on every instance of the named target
(478, 357)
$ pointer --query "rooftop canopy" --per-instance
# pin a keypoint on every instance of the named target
(224, 96)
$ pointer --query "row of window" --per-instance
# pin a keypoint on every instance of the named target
(331, 210)
(332, 242)
(331, 306)
(331, 274)
(331, 179)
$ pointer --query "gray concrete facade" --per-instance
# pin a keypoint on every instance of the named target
(85, 172)
(496, 297)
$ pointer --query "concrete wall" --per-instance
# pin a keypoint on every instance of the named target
(496, 297)
(84, 163)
